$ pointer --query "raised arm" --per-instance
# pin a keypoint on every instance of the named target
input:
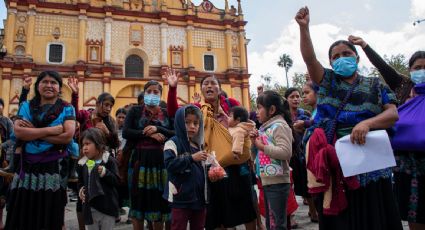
(173, 80)
(390, 75)
(315, 69)
(25, 89)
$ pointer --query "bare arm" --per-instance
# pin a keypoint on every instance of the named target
(65, 137)
(384, 120)
(26, 132)
(315, 69)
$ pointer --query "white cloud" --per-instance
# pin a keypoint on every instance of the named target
(404, 40)
(418, 9)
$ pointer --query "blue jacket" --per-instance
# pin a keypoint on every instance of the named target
(187, 183)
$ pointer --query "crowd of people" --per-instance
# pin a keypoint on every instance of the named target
(198, 164)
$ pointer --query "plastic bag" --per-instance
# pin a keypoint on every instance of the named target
(215, 171)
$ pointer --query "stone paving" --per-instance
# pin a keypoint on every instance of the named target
(301, 216)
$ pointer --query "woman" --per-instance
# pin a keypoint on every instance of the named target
(38, 191)
(409, 148)
(231, 198)
(146, 128)
(367, 104)
(293, 96)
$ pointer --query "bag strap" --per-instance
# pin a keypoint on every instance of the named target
(330, 135)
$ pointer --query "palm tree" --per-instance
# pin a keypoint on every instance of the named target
(286, 62)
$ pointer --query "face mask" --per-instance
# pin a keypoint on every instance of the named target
(418, 76)
(152, 99)
(345, 66)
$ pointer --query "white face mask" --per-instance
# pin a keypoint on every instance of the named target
(418, 76)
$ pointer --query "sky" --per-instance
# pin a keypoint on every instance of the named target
(386, 25)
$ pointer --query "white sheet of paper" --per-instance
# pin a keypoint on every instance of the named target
(376, 154)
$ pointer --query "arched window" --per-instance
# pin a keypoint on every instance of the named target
(134, 66)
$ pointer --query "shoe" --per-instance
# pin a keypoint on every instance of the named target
(314, 220)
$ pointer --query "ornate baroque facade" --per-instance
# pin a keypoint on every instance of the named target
(117, 46)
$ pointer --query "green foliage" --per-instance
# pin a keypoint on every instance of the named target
(299, 80)
(285, 62)
(398, 62)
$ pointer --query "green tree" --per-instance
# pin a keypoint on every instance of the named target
(299, 80)
(285, 62)
(398, 62)
(266, 80)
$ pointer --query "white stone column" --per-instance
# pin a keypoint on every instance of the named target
(164, 45)
(108, 39)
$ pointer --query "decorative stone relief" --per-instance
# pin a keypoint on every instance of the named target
(176, 36)
(200, 38)
(119, 41)
(15, 87)
(45, 24)
(95, 29)
(152, 43)
(20, 34)
(183, 92)
(235, 45)
(92, 89)
(237, 93)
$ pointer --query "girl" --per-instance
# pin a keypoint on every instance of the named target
(273, 144)
(98, 177)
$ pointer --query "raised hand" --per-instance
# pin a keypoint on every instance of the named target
(196, 97)
(303, 17)
(357, 41)
(260, 89)
(73, 84)
(172, 77)
(27, 83)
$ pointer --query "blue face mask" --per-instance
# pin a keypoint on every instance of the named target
(345, 66)
(152, 99)
(418, 76)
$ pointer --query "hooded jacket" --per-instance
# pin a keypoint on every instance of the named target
(273, 162)
(101, 193)
(187, 184)
(240, 135)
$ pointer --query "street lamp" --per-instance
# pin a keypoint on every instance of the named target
(418, 21)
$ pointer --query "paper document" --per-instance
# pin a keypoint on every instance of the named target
(376, 154)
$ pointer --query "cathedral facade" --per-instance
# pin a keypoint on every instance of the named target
(116, 46)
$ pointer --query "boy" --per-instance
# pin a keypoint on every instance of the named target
(183, 155)
(239, 129)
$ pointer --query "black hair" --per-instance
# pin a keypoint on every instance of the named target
(105, 97)
(269, 98)
(40, 77)
(312, 85)
(96, 136)
(192, 110)
(121, 110)
(213, 76)
(239, 113)
(141, 97)
(417, 55)
(151, 83)
(290, 91)
(1, 102)
(344, 42)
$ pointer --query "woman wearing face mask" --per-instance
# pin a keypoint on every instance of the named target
(409, 148)
(146, 128)
(349, 103)
(231, 201)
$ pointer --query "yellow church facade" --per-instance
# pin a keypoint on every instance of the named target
(116, 46)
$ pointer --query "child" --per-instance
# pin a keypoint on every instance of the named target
(239, 129)
(273, 144)
(98, 178)
(183, 155)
